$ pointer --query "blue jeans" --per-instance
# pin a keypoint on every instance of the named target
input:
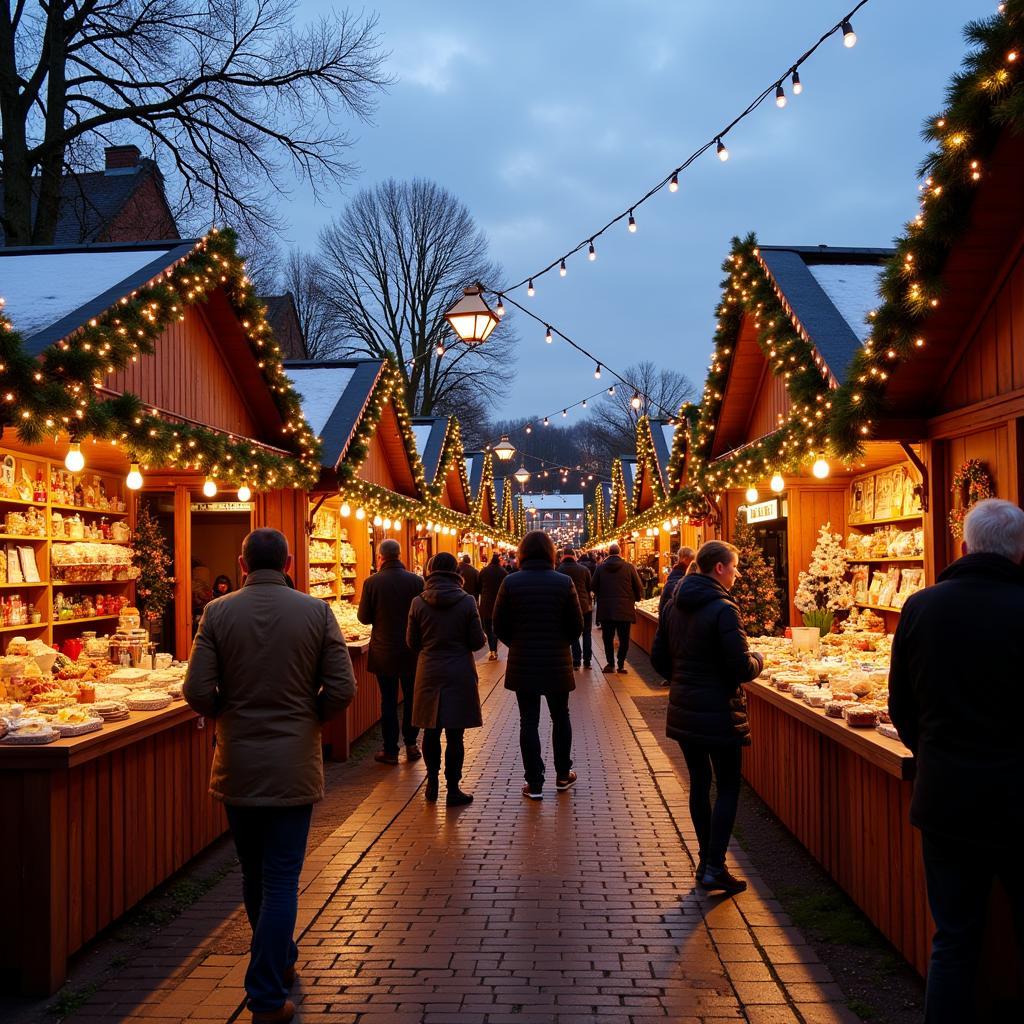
(588, 640)
(389, 711)
(271, 846)
(959, 877)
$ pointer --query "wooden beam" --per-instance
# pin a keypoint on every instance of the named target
(182, 572)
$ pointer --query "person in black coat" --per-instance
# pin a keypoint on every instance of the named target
(491, 576)
(710, 659)
(384, 605)
(470, 576)
(581, 579)
(617, 588)
(954, 684)
(444, 630)
(537, 615)
(684, 559)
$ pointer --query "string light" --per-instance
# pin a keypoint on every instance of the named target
(440, 349)
(636, 401)
(500, 307)
(849, 36)
(632, 223)
(74, 461)
(563, 270)
(134, 479)
(244, 494)
(798, 86)
(547, 335)
(777, 484)
(209, 488)
(780, 96)
(723, 153)
(591, 252)
(530, 290)
(597, 372)
(673, 184)
(752, 495)
(821, 468)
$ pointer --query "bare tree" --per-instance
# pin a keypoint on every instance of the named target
(651, 391)
(231, 93)
(394, 261)
(303, 277)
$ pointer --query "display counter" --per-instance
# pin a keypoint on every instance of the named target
(93, 824)
(644, 628)
(361, 715)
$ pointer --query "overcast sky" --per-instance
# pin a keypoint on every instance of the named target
(547, 119)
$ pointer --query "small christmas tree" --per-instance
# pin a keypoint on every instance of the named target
(823, 589)
(755, 591)
(155, 585)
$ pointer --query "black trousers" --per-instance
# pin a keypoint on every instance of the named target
(609, 630)
(588, 640)
(713, 826)
(959, 877)
(454, 753)
(389, 711)
(492, 639)
(529, 736)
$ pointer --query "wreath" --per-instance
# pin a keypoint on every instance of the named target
(971, 484)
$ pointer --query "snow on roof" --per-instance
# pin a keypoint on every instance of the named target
(553, 501)
(421, 431)
(469, 467)
(43, 288)
(853, 290)
(321, 389)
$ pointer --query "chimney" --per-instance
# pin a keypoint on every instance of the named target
(122, 159)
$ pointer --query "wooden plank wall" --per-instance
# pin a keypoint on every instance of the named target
(286, 510)
(187, 374)
(118, 826)
(850, 815)
(772, 401)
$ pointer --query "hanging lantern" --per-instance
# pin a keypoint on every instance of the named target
(471, 318)
(522, 474)
(504, 449)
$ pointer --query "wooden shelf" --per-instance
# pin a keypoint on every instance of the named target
(24, 625)
(20, 586)
(88, 583)
(871, 561)
(21, 536)
(89, 509)
(86, 540)
(877, 607)
(23, 502)
(75, 622)
(331, 562)
(329, 540)
(917, 517)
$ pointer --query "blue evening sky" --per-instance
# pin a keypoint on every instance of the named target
(547, 119)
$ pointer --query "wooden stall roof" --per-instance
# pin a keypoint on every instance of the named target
(440, 447)
(827, 292)
(976, 271)
(662, 434)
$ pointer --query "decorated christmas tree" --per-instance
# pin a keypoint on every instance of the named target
(155, 585)
(755, 590)
(823, 589)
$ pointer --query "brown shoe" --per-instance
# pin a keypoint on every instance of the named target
(385, 758)
(282, 1015)
(412, 752)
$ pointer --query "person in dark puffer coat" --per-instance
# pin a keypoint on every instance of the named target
(537, 615)
(444, 630)
(491, 577)
(707, 709)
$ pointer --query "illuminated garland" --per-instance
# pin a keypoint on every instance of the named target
(453, 455)
(58, 391)
(647, 463)
(985, 99)
(971, 484)
(486, 487)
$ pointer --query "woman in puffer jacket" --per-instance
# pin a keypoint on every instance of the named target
(710, 660)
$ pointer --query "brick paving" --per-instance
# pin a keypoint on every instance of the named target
(580, 907)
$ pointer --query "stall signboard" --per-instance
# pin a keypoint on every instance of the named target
(762, 511)
(221, 506)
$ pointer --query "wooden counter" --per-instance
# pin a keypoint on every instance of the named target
(361, 715)
(94, 824)
(643, 631)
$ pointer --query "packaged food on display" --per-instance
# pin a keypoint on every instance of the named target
(351, 628)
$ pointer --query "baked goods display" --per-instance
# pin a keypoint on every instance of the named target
(91, 562)
(351, 628)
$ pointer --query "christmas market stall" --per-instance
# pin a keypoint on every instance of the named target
(140, 382)
(446, 467)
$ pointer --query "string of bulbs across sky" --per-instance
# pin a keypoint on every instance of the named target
(473, 319)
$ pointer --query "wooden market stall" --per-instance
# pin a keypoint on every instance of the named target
(191, 394)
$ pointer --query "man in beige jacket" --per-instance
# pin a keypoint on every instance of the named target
(269, 664)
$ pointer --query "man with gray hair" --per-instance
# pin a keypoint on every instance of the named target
(954, 687)
(384, 604)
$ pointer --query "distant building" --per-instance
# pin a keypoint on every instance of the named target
(561, 515)
(125, 202)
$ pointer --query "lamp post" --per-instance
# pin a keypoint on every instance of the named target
(471, 318)
(504, 449)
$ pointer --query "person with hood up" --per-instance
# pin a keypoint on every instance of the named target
(537, 615)
(709, 659)
(616, 588)
(444, 631)
(491, 576)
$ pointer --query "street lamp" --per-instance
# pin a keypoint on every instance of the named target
(522, 474)
(471, 318)
(504, 449)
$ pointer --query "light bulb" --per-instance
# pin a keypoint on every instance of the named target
(244, 494)
(723, 153)
(591, 252)
(849, 36)
(547, 335)
(778, 485)
(378, 521)
(597, 372)
(440, 348)
(546, 421)
(530, 290)
(134, 479)
(562, 269)
(387, 523)
(673, 185)
(666, 526)
(565, 412)
(346, 510)
(798, 86)
(752, 494)
(500, 307)
(820, 468)
(74, 461)
(209, 488)
(632, 223)
(635, 401)
(430, 526)
(360, 514)
(780, 96)
(611, 390)
(397, 524)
